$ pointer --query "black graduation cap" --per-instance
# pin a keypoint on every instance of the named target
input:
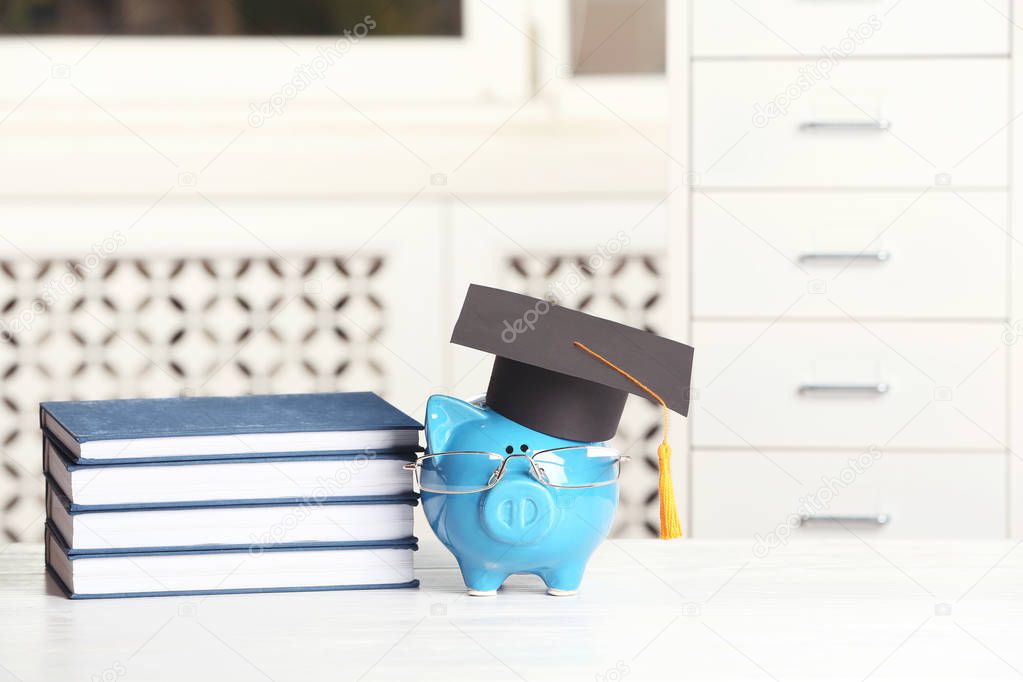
(544, 381)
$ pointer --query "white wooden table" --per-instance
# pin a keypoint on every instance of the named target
(647, 610)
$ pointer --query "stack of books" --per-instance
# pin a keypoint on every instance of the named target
(221, 495)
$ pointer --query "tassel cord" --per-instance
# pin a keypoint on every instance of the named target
(670, 526)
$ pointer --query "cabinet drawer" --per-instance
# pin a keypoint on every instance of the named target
(940, 255)
(787, 28)
(904, 385)
(878, 494)
(876, 123)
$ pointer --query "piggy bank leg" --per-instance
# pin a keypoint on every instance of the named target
(481, 582)
(563, 581)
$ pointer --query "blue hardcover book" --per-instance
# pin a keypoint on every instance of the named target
(240, 480)
(217, 427)
(117, 573)
(214, 525)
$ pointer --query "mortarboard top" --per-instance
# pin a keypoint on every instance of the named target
(543, 381)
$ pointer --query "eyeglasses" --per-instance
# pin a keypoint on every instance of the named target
(572, 467)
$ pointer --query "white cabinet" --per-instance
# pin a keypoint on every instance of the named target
(844, 212)
(881, 255)
(869, 123)
(850, 384)
(877, 494)
(786, 28)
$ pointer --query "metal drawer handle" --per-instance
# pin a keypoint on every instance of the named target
(873, 389)
(874, 256)
(879, 520)
(872, 126)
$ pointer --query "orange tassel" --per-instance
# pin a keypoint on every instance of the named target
(670, 526)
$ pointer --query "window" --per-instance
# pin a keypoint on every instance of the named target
(618, 36)
(233, 52)
(230, 17)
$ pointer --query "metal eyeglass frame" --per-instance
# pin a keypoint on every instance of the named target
(495, 478)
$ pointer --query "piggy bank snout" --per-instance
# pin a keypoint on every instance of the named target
(518, 512)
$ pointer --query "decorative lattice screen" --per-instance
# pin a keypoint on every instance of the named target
(137, 327)
(158, 327)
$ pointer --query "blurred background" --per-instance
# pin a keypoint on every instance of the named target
(244, 196)
(209, 198)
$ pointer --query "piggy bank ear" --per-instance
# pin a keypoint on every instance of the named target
(444, 415)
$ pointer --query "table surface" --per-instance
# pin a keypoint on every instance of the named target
(647, 610)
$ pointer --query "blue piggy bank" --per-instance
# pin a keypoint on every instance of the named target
(514, 500)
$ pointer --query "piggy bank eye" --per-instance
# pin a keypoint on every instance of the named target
(509, 449)
(524, 447)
